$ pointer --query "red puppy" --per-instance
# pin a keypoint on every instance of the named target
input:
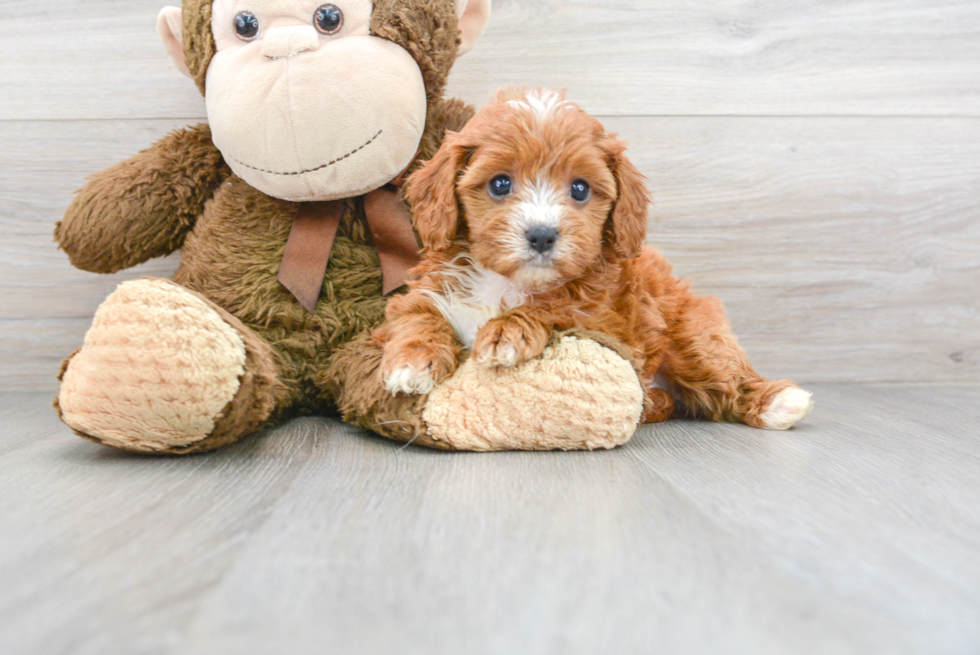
(534, 221)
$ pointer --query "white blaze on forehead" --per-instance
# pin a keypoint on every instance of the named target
(540, 102)
(540, 205)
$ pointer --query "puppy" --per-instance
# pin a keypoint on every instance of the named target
(533, 221)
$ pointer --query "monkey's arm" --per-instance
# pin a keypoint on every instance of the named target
(143, 207)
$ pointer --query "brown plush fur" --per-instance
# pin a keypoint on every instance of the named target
(427, 30)
(598, 277)
(352, 381)
(143, 207)
(199, 46)
(180, 194)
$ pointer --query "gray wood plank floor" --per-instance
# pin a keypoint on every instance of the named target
(859, 532)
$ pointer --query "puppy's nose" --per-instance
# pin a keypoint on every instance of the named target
(288, 41)
(542, 239)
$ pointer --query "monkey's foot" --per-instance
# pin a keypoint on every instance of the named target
(164, 370)
(580, 394)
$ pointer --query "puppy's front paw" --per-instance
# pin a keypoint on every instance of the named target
(414, 370)
(509, 342)
(409, 379)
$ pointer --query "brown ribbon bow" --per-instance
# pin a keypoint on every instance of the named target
(311, 238)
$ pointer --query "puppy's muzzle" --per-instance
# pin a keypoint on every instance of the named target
(542, 239)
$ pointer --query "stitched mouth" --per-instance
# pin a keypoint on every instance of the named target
(318, 168)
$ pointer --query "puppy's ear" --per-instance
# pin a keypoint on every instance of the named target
(628, 221)
(431, 191)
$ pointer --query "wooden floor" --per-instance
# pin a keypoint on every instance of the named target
(859, 532)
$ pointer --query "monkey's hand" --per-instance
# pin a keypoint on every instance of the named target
(143, 207)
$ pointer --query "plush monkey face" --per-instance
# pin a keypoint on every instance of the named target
(316, 101)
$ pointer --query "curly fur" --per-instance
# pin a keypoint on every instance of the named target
(481, 285)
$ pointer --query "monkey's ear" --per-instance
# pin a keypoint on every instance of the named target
(473, 18)
(431, 191)
(628, 222)
(170, 29)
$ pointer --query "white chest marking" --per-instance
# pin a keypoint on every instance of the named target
(481, 295)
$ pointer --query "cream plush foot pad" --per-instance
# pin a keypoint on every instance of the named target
(157, 368)
(579, 395)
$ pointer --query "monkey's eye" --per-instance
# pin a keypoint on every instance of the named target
(246, 25)
(328, 19)
(580, 191)
(500, 186)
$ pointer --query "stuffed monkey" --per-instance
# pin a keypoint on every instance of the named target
(287, 208)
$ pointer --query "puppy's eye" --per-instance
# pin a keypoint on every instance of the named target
(328, 19)
(501, 186)
(246, 25)
(580, 191)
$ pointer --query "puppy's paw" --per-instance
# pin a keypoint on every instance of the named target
(787, 408)
(509, 342)
(499, 354)
(409, 379)
(415, 369)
